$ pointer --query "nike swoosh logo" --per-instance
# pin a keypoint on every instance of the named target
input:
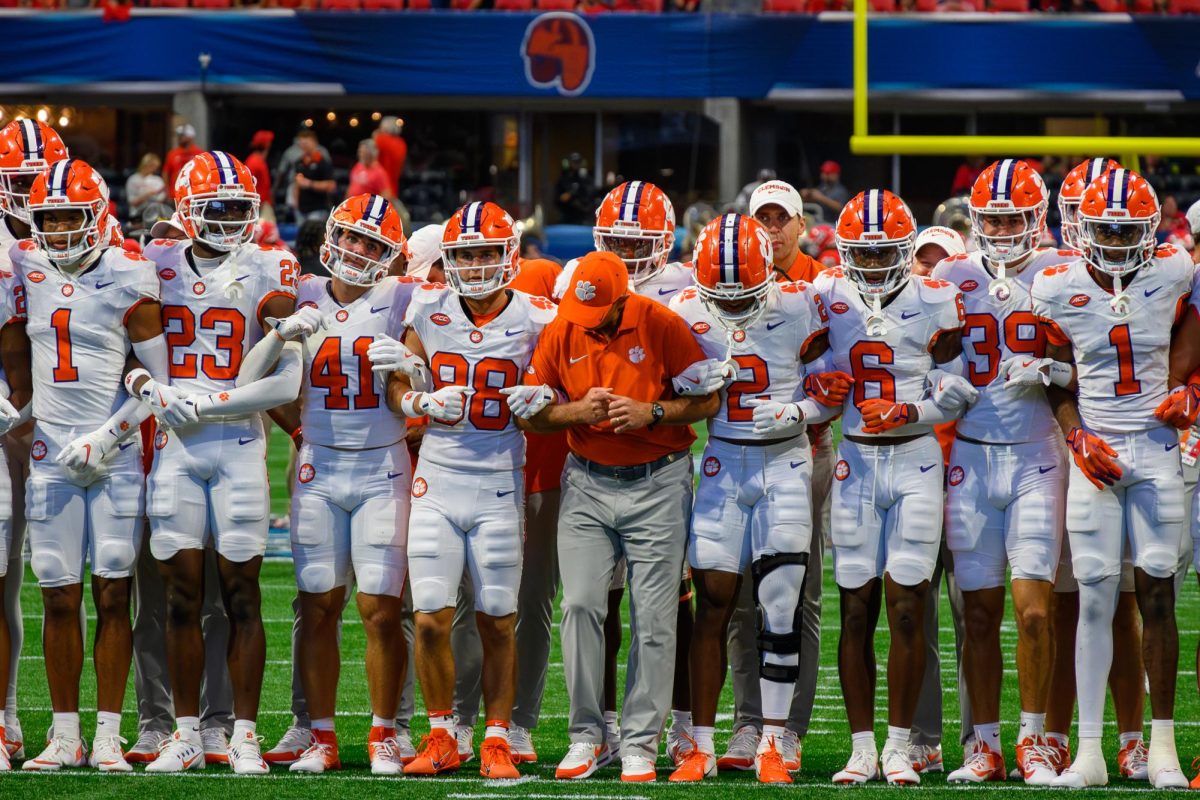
(188, 764)
(504, 494)
(1171, 447)
(514, 333)
(126, 446)
(393, 475)
(773, 325)
(1025, 364)
(103, 285)
(377, 309)
(1149, 292)
(908, 314)
(665, 291)
(926, 469)
(581, 358)
(244, 440)
(795, 463)
(242, 277)
(1044, 470)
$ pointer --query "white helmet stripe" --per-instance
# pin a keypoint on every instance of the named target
(33, 140)
(728, 252)
(1002, 180)
(630, 199)
(57, 184)
(1117, 187)
(225, 167)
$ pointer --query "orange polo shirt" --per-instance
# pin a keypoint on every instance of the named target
(652, 345)
(804, 268)
(545, 453)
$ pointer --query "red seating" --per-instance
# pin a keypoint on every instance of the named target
(212, 3)
(883, 5)
(555, 5)
(1185, 7)
(645, 6)
(1008, 5)
(513, 5)
(383, 5)
(420, 5)
(168, 3)
(785, 6)
(340, 5)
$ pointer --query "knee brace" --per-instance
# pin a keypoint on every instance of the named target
(772, 589)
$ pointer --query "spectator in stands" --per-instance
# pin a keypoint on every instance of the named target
(184, 151)
(284, 177)
(313, 179)
(574, 193)
(309, 239)
(965, 177)
(393, 150)
(145, 186)
(829, 193)
(1173, 226)
(256, 162)
(741, 203)
(367, 176)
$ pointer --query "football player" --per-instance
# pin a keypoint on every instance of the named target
(1110, 313)
(88, 304)
(27, 148)
(752, 504)
(891, 332)
(477, 337)
(209, 472)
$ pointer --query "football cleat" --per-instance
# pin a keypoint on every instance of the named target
(245, 755)
(983, 765)
(178, 754)
(290, 746)
(863, 766)
(1087, 770)
(439, 753)
(637, 769)
(404, 746)
(1036, 760)
(1195, 784)
(14, 740)
(107, 756)
(5, 761)
(582, 759)
(520, 741)
(697, 765)
(791, 748)
(1132, 759)
(1062, 755)
(384, 752)
(612, 736)
(926, 758)
(464, 735)
(742, 747)
(496, 760)
(60, 752)
(1164, 769)
(679, 744)
(897, 767)
(321, 756)
(768, 763)
(216, 745)
(146, 748)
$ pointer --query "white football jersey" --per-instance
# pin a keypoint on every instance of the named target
(1121, 361)
(767, 354)
(344, 404)
(892, 366)
(486, 359)
(210, 325)
(76, 329)
(661, 286)
(995, 329)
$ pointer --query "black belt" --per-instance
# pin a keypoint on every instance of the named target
(634, 472)
(763, 442)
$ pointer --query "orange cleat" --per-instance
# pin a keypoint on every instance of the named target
(769, 766)
(1196, 780)
(696, 766)
(1062, 755)
(439, 753)
(496, 760)
(322, 756)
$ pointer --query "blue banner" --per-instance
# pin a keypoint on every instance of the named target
(605, 56)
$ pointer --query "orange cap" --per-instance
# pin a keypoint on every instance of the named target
(599, 280)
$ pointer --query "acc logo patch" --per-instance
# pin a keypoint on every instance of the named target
(307, 473)
(440, 319)
(1080, 300)
(956, 476)
(38, 450)
(559, 52)
(36, 277)
(712, 465)
(701, 327)
(342, 315)
(420, 487)
(839, 308)
(68, 290)
(969, 285)
(160, 440)
(167, 274)
(198, 287)
(476, 336)
(841, 471)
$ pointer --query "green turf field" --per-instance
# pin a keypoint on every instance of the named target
(825, 748)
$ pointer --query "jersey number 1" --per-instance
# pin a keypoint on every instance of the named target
(64, 371)
(1127, 382)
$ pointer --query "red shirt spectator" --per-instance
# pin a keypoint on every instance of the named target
(965, 177)
(178, 156)
(256, 162)
(368, 176)
(393, 150)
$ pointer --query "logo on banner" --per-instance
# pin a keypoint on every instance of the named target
(559, 53)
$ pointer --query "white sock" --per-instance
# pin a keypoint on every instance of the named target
(1129, 736)
(897, 738)
(681, 720)
(108, 723)
(771, 733)
(380, 722)
(863, 741)
(989, 734)
(498, 731)
(703, 734)
(1093, 652)
(1031, 725)
(322, 724)
(1162, 736)
(243, 729)
(189, 728)
(66, 724)
(443, 721)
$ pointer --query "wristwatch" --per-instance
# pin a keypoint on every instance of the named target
(656, 412)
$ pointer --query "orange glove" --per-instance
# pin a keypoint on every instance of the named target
(881, 415)
(828, 388)
(1094, 457)
(1181, 407)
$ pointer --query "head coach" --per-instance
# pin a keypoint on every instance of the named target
(609, 370)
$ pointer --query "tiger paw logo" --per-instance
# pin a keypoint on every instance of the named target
(956, 475)
(420, 487)
(160, 440)
(307, 473)
(559, 53)
(841, 471)
(712, 465)
(38, 450)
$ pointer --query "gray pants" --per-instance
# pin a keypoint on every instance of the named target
(927, 721)
(535, 613)
(151, 681)
(16, 451)
(742, 639)
(644, 520)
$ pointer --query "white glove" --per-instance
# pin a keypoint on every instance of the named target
(950, 391)
(528, 401)
(445, 405)
(10, 417)
(1021, 371)
(772, 415)
(169, 405)
(389, 355)
(87, 452)
(305, 322)
(703, 377)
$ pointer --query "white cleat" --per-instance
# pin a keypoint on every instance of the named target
(582, 759)
(5, 761)
(898, 768)
(863, 766)
(520, 742)
(385, 757)
(1087, 770)
(216, 745)
(791, 748)
(1164, 770)
(637, 769)
(14, 740)
(316, 759)
(146, 748)
(404, 745)
(178, 755)
(741, 749)
(60, 752)
(245, 756)
(465, 736)
(679, 744)
(107, 755)
(294, 742)
(926, 758)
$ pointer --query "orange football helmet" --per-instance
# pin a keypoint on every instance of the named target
(376, 239)
(217, 202)
(637, 222)
(69, 186)
(876, 238)
(27, 149)
(1071, 192)
(1118, 216)
(1011, 189)
(480, 246)
(734, 266)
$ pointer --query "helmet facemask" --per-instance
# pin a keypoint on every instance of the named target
(356, 256)
(1004, 249)
(734, 306)
(1068, 212)
(222, 220)
(70, 247)
(1118, 249)
(476, 267)
(644, 252)
(14, 191)
(877, 269)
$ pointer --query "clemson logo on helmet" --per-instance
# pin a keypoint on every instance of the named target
(956, 476)
(841, 471)
(439, 319)
(712, 465)
(969, 285)
(701, 327)
(38, 451)
(420, 487)
(559, 53)
(1080, 300)
(307, 473)
(839, 307)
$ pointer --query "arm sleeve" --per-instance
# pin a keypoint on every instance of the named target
(153, 355)
(261, 358)
(281, 386)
